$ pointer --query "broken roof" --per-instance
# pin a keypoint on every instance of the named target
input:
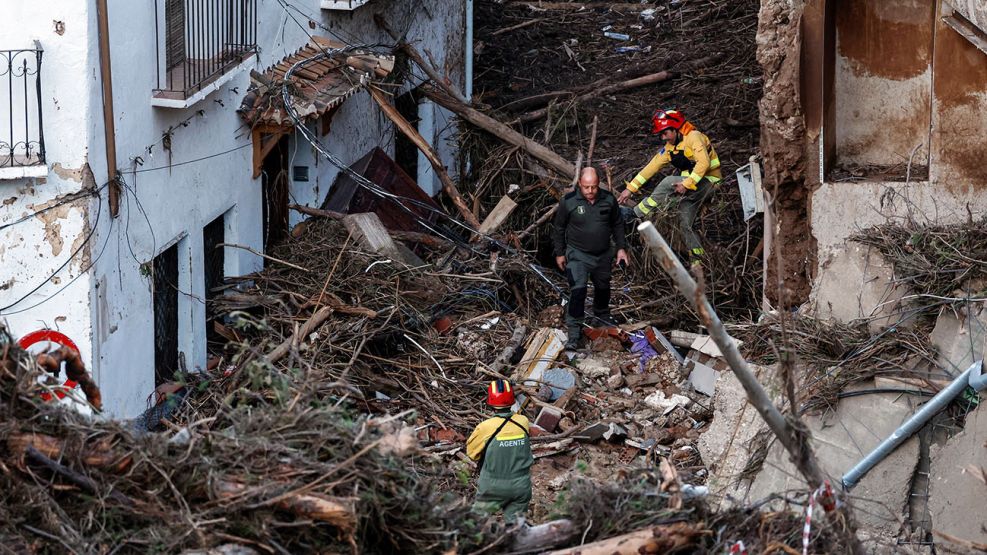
(316, 88)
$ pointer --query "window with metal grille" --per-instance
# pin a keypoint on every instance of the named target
(202, 41)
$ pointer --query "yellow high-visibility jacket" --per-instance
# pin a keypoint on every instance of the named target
(694, 157)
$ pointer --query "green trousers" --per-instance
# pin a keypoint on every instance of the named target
(688, 206)
(512, 496)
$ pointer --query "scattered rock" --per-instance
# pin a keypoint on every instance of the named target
(615, 382)
(659, 401)
(593, 367)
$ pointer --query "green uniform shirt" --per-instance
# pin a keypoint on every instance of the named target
(588, 227)
(508, 456)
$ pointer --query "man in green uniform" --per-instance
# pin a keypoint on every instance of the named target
(588, 226)
(501, 447)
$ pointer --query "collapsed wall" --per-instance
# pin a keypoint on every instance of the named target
(782, 138)
(869, 117)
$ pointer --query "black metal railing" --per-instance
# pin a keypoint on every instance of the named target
(202, 40)
(22, 139)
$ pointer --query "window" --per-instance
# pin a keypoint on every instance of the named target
(202, 42)
(22, 142)
(164, 282)
(213, 263)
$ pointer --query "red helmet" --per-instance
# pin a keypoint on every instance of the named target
(664, 119)
(500, 394)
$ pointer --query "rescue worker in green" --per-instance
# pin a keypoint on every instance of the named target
(690, 152)
(588, 227)
(503, 450)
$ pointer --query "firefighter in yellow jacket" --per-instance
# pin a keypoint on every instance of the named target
(691, 153)
(503, 450)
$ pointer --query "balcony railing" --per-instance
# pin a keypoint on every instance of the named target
(22, 140)
(202, 40)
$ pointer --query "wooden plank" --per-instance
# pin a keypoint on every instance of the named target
(368, 231)
(498, 215)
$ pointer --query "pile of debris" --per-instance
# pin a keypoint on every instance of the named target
(348, 435)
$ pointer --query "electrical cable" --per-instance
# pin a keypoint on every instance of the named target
(169, 166)
(373, 187)
(92, 231)
(859, 393)
(67, 200)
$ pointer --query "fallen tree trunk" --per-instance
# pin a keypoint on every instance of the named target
(608, 89)
(665, 538)
(544, 536)
(336, 511)
(409, 131)
(500, 130)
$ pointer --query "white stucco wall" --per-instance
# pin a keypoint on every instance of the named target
(169, 195)
(180, 192)
(33, 251)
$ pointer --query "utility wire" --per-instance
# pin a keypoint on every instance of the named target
(370, 185)
(92, 231)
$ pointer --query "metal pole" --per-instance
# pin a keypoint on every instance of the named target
(970, 377)
(41, 120)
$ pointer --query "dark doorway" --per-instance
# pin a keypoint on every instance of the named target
(405, 151)
(165, 297)
(275, 185)
(213, 263)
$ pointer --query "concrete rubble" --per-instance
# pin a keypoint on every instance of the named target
(854, 283)
(957, 486)
(840, 439)
(960, 335)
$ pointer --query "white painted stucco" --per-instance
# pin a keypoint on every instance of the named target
(169, 195)
(37, 252)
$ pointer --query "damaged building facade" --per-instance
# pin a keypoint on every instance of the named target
(887, 129)
(132, 183)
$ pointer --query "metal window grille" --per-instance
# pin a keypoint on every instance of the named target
(22, 140)
(202, 40)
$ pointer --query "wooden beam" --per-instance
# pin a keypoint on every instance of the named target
(498, 215)
(598, 92)
(409, 131)
(546, 155)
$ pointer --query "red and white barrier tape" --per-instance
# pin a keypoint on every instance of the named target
(827, 499)
(738, 549)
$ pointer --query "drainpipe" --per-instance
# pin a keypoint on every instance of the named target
(109, 130)
(468, 89)
(972, 377)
